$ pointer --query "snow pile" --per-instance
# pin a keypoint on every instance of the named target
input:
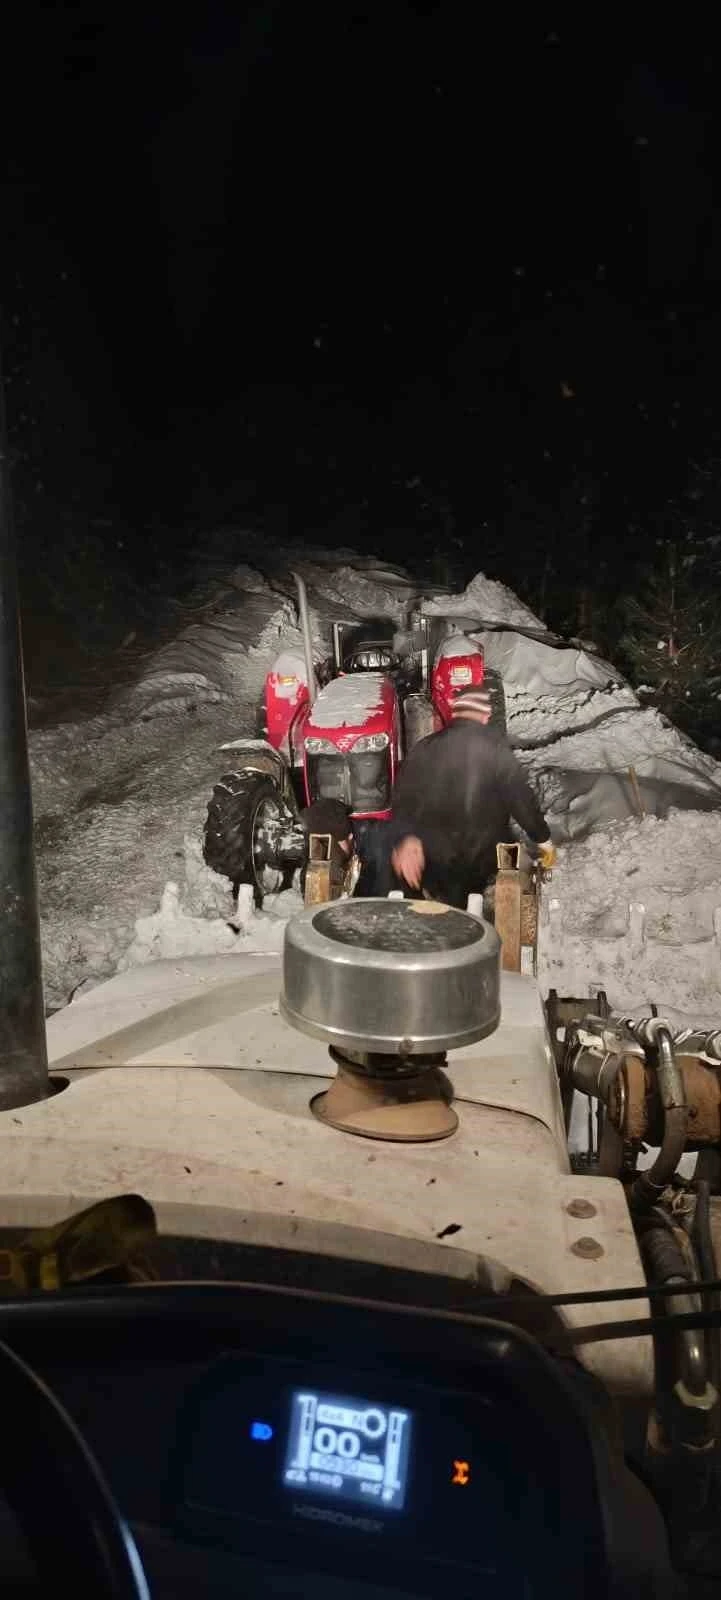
(235, 626)
(485, 600)
(224, 656)
(636, 909)
(197, 917)
(120, 798)
(593, 752)
(612, 762)
(529, 665)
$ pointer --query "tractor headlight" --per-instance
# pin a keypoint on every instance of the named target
(320, 747)
(370, 741)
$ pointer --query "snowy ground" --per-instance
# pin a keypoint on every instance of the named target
(634, 905)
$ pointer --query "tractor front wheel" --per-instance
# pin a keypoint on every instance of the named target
(247, 820)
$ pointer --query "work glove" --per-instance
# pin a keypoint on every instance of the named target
(547, 855)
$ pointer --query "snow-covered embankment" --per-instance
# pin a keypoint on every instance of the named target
(120, 799)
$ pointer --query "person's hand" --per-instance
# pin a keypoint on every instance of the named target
(408, 861)
(547, 856)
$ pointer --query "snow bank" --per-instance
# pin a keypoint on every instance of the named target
(196, 917)
(636, 909)
(120, 798)
(223, 656)
(485, 600)
(530, 666)
(593, 753)
(237, 626)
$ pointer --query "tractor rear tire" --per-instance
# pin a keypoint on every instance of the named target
(418, 720)
(493, 682)
(240, 802)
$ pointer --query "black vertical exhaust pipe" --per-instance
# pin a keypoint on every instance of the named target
(23, 1049)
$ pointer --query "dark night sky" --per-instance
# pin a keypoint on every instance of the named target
(262, 241)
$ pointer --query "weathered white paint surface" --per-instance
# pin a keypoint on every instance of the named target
(206, 1108)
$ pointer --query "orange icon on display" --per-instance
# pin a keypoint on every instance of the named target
(461, 1474)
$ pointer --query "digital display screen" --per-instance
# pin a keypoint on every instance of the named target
(357, 1450)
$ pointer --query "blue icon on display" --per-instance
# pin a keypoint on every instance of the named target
(261, 1431)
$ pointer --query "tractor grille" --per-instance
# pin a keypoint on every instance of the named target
(362, 782)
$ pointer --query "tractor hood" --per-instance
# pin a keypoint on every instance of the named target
(362, 703)
(184, 1084)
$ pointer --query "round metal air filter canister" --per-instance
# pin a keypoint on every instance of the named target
(391, 977)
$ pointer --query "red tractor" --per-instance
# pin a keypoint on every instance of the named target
(383, 690)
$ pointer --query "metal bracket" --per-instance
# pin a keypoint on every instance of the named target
(516, 909)
(329, 873)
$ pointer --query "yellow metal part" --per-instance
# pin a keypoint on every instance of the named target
(330, 873)
(113, 1237)
(516, 909)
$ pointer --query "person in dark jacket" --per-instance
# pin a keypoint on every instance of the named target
(452, 805)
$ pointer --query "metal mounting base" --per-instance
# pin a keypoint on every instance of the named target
(408, 1109)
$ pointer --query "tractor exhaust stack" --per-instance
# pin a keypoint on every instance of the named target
(304, 617)
(23, 1050)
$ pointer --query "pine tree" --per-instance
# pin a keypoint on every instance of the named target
(672, 640)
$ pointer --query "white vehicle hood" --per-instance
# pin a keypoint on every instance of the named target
(186, 1086)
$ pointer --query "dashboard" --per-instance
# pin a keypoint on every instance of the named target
(353, 1465)
(271, 1441)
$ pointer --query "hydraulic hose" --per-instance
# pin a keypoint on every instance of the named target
(649, 1185)
(672, 1091)
(703, 1242)
(666, 1266)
